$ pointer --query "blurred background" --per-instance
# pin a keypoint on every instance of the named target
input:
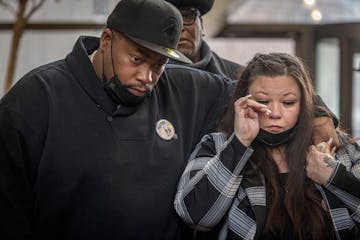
(324, 33)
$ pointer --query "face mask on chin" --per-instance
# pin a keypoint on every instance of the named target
(120, 93)
(275, 140)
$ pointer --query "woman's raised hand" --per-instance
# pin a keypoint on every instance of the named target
(246, 119)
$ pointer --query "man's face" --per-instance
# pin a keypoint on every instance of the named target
(191, 35)
(138, 68)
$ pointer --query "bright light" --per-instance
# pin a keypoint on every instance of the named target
(316, 15)
(309, 2)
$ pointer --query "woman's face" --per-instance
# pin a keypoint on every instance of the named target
(282, 95)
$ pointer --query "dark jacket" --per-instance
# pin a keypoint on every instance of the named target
(211, 62)
(222, 187)
(74, 165)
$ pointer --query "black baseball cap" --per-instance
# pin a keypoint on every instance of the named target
(202, 5)
(153, 24)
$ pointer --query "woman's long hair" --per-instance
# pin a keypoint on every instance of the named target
(300, 203)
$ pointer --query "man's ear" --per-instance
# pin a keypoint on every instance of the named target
(105, 39)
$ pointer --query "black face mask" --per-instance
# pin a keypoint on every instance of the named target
(274, 140)
(120, 94)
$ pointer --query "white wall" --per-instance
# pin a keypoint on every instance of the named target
(40, 47)
(328, 73)
(242, 50)
(37, 48)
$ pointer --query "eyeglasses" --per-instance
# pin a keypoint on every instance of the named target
(189, 15)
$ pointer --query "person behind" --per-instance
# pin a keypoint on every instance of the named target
(260, 176)
(92, 146)
(193, 45)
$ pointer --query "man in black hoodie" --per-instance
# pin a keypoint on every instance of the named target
(93, 146)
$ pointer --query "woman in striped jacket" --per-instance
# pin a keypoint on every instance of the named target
(260, 177)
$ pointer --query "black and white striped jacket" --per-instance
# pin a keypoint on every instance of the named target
(212, 190)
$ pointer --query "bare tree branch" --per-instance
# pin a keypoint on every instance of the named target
(19, 26)
(8, 6)
(32, 2)
(35, 6)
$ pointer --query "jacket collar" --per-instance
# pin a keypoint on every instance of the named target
(79, 63)
(205, 57)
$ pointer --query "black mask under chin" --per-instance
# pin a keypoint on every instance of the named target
(274, 140)
(120, 94)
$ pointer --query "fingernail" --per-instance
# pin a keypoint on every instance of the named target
(268, 112)
(333, 151)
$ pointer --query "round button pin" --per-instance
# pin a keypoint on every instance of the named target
(165, 129)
